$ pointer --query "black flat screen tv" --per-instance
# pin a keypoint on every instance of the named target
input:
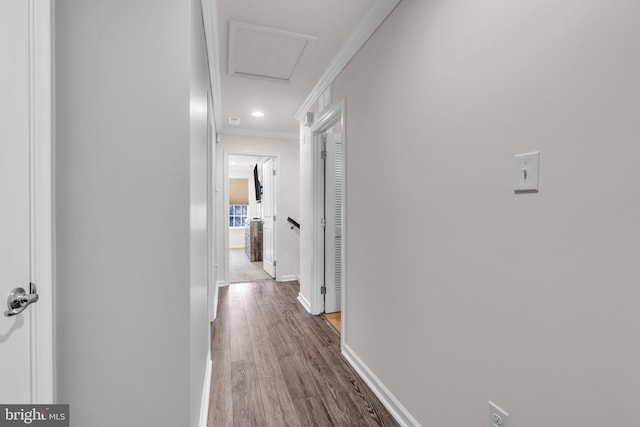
(256, 181)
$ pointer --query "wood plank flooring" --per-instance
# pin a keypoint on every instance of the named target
(335, 320)
(276, 365)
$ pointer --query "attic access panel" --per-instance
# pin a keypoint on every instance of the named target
(266, 53)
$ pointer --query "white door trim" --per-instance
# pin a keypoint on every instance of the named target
(335, 114)
(212, 267)
(41, 135)
(225, 199)
(268, 212)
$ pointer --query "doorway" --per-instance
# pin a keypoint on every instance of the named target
(251, 200)
(329, 195)
(333, 174)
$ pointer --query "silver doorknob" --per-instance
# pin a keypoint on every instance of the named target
(19, 300)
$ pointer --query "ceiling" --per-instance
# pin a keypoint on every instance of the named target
(243, 164)
(271, 55)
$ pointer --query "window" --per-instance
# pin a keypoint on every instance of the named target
(238, 215)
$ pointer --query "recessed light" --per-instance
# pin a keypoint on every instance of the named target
(257, 114)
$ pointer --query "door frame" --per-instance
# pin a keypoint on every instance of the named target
(42, 240)
(277, 235)
(336, 113)
(212, 267)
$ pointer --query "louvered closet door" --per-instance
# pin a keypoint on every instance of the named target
(334, 215)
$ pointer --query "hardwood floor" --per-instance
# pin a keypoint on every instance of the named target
(335, 320)
(276, 365)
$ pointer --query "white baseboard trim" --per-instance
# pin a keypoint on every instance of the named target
(288, 278)
(204, 408)
(221, 283)
(236, 247)
(214, 303)
(302, 300)
(393, 405)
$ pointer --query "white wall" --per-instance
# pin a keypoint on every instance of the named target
(288, 150)
(236, 235)
(530, 300)
(129, 299)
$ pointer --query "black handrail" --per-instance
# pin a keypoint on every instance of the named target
(294, 222)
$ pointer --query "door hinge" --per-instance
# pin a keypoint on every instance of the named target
(274, 217)
(274, 171)
(323, 290)
(274, 263)
(323, 152)
(323, 222)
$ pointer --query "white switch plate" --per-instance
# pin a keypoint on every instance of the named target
(497, 417)
(526, 171)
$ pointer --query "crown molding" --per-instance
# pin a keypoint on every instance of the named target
(210, 20)
(257, 133)
(365, 29)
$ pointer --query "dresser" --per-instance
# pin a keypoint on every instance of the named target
(253, 240)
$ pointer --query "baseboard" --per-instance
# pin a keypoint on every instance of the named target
(236, 247)
(214, 303)
(288, 278)
(302, 300)
(221, 283)
(393, 405)
(204, 408)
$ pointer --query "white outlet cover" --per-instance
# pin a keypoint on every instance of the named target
(497, 416)
(526, 172)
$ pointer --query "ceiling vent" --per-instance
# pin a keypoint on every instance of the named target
(266, 53)
(234, 120)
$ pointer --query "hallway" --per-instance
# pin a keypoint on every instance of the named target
(276, 365)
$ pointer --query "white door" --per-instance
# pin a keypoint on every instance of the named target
(16, 331)
(334, 214)
(268, 218)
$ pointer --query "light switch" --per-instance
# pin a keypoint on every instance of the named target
(525, 174)
(498, 417)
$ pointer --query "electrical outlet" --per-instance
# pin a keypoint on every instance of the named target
(497, 417)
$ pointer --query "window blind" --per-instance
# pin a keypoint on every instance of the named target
(238, 191)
